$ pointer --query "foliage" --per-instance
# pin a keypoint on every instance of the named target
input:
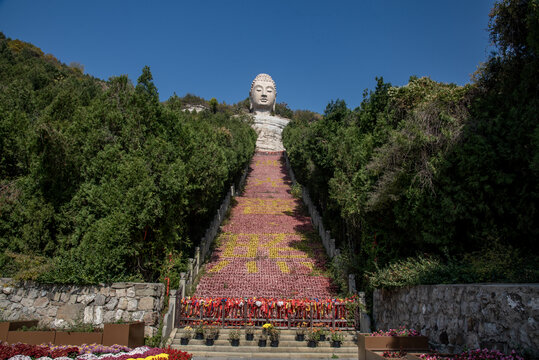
(296, 191)
(175, 354)
(234, 334)
(433, 168)
(99, 181)
(336, 335)
(313, 334)
(187, 332)
(401, 331)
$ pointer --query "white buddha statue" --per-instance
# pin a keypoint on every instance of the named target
(269, 128)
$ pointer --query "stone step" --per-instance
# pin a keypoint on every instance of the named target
(276, 356)
(282, 343)
(267, 349)
(284, 332)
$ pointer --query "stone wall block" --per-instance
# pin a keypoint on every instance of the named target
(105, 291)
(99, 300)
(110, 316)
(122, 303)
(149, 291)
(130, 292)
(98, 315)
(86, 299)
(41, 302)
(32, 294)
(27, 302)
(71, 311)
(137, 315)
(7, 290)
(146, 303)
(132, 305)
(150, 318)
(111, 304)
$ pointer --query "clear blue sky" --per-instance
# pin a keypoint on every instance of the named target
(316, 51)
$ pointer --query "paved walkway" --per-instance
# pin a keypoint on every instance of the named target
(268, 247)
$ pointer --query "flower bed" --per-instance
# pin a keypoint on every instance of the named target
(477, 354)
(88, 352)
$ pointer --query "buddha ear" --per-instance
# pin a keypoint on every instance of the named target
(274, 106)
(250, 105)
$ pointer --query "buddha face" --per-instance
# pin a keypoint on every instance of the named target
(263, 93)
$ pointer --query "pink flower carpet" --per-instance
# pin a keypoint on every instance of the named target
(267, 248)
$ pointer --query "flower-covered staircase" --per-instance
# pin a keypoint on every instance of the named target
(267, 250)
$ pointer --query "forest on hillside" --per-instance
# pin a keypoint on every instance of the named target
(432, 182)
(99, 180)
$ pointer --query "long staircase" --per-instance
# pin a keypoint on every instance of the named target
(267, 250)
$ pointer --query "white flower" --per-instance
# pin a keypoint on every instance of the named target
(87, 356)
(20, 357)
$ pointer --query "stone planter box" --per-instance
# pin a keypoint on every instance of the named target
(7, 326)
(78, 338)
(391, 343)
(130, 334)
(31, 337)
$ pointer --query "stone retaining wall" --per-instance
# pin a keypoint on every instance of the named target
(455, 317)
(58, 306)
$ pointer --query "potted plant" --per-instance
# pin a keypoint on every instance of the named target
(323, 333)
(313, 336)
(300, 332)
(211, 333)
(336, 338)
(266, 328)
(187, 333)
(199, 331)
(234, 337)
(249, 332)
(262, 339)
(274, 335)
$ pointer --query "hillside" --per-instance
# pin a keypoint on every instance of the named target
(433, 182)
(99, 181)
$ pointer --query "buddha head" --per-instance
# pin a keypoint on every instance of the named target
(263, 93)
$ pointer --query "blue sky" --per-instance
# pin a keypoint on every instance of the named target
(316, 51)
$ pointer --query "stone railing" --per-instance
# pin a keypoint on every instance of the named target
(188, 279)
(465, 316)
(329, 243)
(59, 306)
